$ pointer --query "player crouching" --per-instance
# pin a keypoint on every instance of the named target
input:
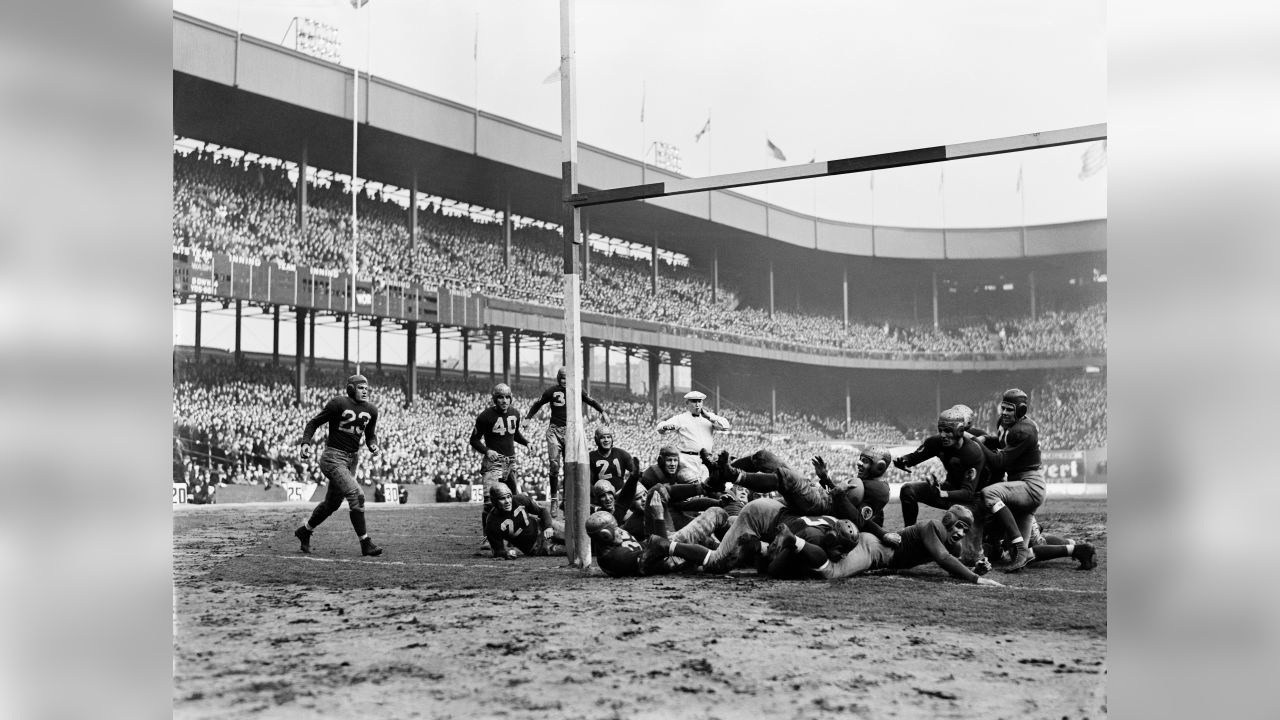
(522, 522)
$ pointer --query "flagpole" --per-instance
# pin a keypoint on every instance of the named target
(644, 149)
(355, 143)
(475, 88)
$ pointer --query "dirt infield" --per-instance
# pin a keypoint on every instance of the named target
(435, 628)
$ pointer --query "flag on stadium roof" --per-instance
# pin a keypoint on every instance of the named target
(1093, 159)
(706, 127)
(774, 149)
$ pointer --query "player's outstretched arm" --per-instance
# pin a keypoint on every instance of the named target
(956, 569)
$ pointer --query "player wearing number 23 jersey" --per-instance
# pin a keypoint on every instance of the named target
(352, 419)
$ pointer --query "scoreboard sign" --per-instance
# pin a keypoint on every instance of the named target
(201, 272)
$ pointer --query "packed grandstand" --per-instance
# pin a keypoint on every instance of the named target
(249, 208)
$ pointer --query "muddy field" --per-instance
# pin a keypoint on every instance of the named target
(436, 628)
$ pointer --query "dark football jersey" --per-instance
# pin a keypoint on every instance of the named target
(921, 543)
(555, 397)
(350, 423)
(499, 430)
(621, 560)
(964, 465)
(520, 527)
(612, 467)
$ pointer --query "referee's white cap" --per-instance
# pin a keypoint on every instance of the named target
(695, 395)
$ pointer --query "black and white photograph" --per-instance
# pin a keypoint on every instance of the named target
(639, 359)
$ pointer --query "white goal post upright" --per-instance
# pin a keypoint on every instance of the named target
(576, 475)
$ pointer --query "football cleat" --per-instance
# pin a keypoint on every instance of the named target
(304, 536)
(1020, 560)
(368, 548)
(1087, 555)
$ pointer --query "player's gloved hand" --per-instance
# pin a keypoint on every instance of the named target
(375, 450)
(901, 463)
(819, 466)
(989, 581)
(982, 566)
(893, 539)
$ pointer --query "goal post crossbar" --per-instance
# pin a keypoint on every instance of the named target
(865, 163)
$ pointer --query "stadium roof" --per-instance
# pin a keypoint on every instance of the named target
(259, 96)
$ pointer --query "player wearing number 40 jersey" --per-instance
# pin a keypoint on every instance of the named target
(351, 419)
(495, 435)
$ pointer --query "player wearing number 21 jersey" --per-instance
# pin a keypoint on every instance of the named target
(352, 419)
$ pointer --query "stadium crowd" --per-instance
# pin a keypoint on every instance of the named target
(249, 209)
(237, 424)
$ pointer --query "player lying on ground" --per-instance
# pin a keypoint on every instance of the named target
(671, 502)
(627, 506)
(759, 519)
(619, 554)
(926, 541)
(350, 419)
(522, 522)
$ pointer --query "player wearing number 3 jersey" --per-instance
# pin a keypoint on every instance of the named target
(351, 420)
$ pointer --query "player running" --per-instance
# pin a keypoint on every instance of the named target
(555, 397)
(351, 419)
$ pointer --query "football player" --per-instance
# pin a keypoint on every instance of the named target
(555, 397)
(671, 501)
(619, 554)
(522, 522)
(351, 420)
(1018, 488)
(496, 432)
(693, 432)
(964, 462)
(926, 541)
(835, 537)
(610, 463)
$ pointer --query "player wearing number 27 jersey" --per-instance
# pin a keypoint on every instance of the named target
(352, 419)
